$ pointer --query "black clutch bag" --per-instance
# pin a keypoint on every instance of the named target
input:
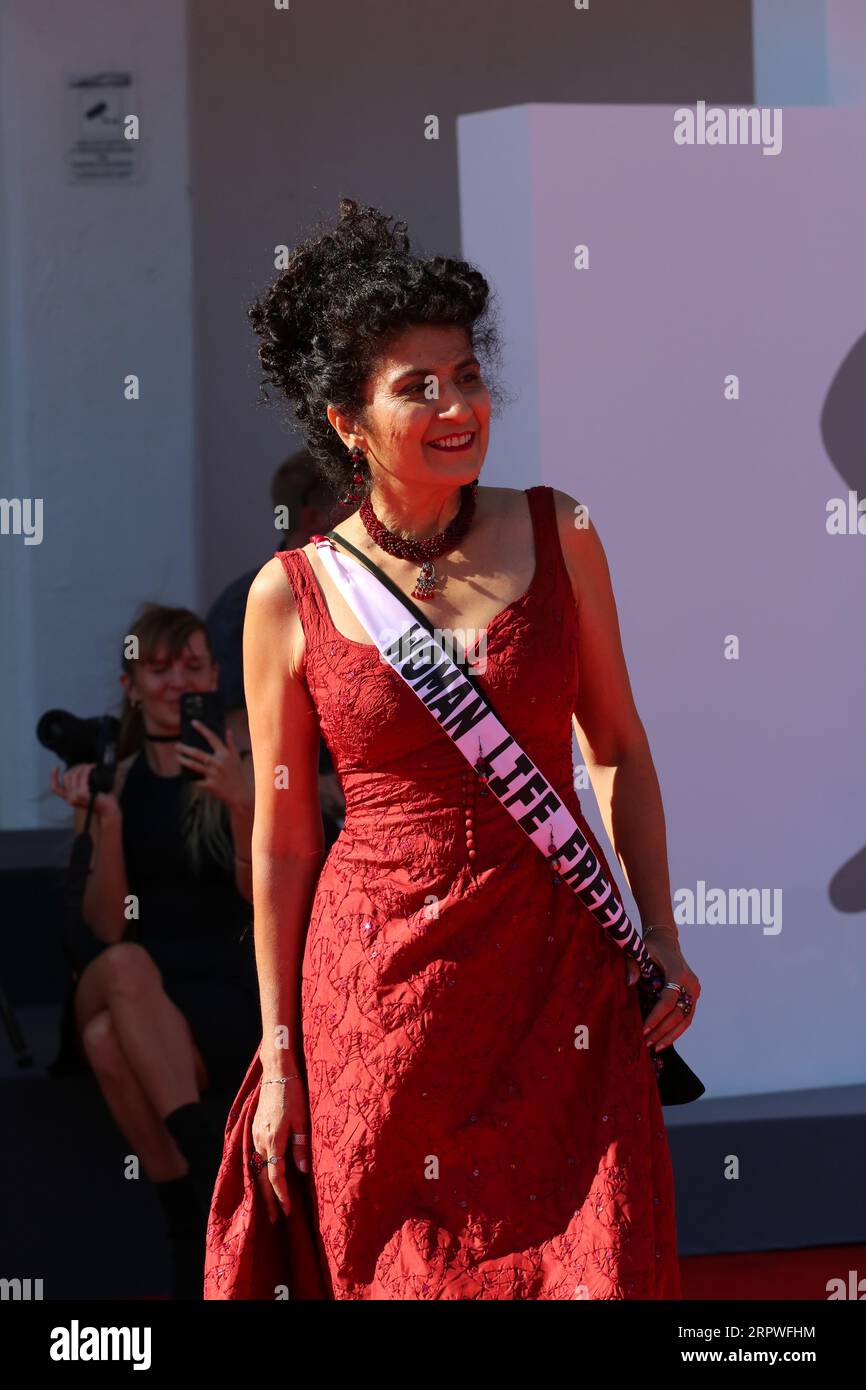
(677, 1083)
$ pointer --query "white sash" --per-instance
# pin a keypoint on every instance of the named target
(462, 710)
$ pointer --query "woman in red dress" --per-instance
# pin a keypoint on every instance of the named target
(453, 1098)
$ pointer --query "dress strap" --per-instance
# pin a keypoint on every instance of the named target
(549, 558)
(305, 587)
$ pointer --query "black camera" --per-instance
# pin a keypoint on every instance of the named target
(77, 740)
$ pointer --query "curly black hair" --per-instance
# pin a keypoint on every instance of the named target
(346, 293)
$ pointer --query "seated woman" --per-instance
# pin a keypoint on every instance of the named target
(170, 1006)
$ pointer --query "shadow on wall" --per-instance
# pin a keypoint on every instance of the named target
(842, 429)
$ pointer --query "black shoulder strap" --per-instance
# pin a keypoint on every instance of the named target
(458, 658)
(384, 579)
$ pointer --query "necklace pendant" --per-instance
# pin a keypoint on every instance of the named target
(425, 584)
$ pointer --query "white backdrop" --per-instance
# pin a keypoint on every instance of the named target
(706, 261)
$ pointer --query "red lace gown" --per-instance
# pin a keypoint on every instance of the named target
(463, 1145)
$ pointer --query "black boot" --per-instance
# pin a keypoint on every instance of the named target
(186, 1223)
(192, 1130)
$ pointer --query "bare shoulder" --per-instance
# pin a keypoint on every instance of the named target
(272, 623)
(270, 594)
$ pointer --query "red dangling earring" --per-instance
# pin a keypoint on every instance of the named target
(359, 458)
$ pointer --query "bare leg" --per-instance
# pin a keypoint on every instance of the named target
(152, 1033)
(124, 982)
(126, 1099)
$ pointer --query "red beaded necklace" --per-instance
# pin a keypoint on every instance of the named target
(428, 549)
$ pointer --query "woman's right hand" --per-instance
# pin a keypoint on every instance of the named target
(73, 786)
(282, 1117)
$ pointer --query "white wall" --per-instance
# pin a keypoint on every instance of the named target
(292, 109)
(255, 121)
(95, 285)
(703, 262)
(809, 52)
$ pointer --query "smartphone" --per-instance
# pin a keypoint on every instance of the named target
(207, 707)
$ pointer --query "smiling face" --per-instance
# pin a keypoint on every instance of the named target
(407, 432)
(159, 681)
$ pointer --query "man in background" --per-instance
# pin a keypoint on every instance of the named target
(296, 487)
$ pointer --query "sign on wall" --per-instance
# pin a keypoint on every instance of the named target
(102, 120)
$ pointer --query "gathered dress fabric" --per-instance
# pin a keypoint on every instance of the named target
(485, 1118)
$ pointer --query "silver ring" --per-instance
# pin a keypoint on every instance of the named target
(686, 1002)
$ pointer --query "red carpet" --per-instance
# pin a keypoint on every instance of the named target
(771, 1273)
(767, 1274)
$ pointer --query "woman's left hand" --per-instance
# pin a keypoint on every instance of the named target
(666, 1021)
(222, 769)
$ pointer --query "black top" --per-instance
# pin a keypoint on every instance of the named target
(225, 624)
(175, 903)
